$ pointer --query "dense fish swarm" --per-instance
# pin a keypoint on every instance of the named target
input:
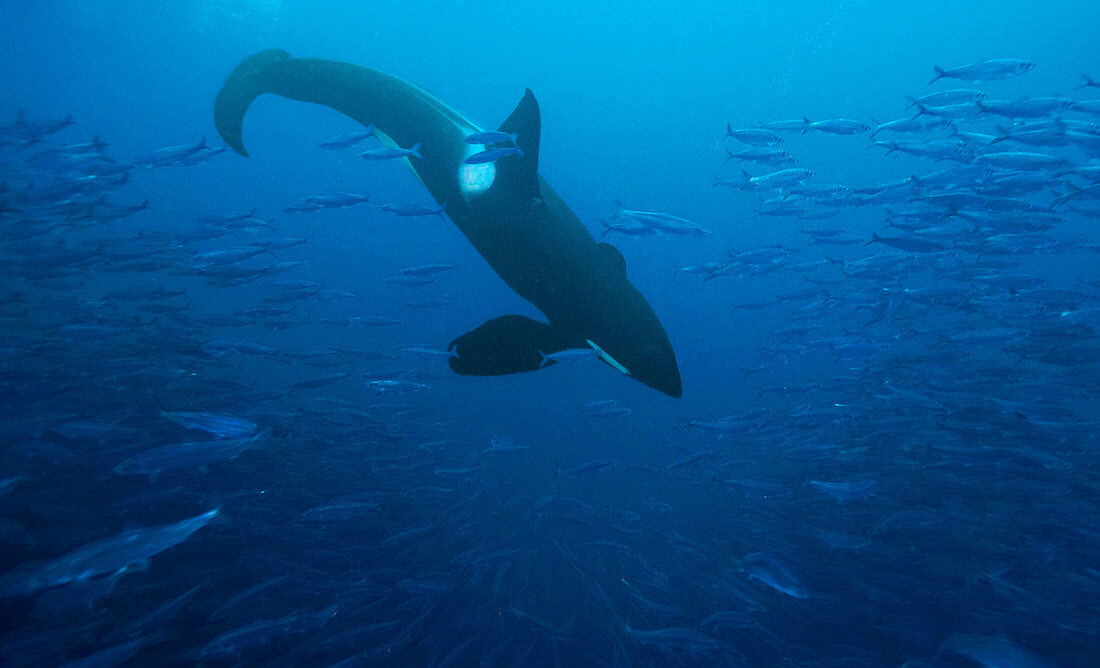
(926, 492)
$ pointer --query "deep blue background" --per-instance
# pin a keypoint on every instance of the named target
(634, 98)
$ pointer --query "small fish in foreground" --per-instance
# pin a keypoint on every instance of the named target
(986, 70)
(189, 455)
(800, 125)
(491, 137)
(568, 355)
(101, 557)
(396, 386)
(410, 210)
(774, 573)
(393, 153)
(588, 467)
(657, 222)
(503, 445)
(169, 155)
(492, 155)
(347, 140)
(222, 426)
(409, 281)
(840, 126)
(754, 136)
(320, 382)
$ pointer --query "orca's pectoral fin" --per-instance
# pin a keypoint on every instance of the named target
(504, 345)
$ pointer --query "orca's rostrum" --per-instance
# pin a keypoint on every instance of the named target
(513, 218)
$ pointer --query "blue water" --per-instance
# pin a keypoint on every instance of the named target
(868, 467)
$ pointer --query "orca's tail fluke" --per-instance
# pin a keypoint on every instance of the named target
(244, 85)
(402, 114)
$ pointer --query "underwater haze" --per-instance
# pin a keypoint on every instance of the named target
(231, 427)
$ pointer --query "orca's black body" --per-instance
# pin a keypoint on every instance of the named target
(507, 211)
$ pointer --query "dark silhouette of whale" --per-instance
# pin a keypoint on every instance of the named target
(507, 211)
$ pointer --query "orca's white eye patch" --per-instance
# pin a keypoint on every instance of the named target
(475, 179)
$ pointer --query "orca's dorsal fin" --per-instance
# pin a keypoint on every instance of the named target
(614, 255)
(519, 174)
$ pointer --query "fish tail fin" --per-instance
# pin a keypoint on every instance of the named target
(939, 74)
(729, 155)
(415, 150)
(874, 237)
(244, 85)
(729, 130)
(878, 126)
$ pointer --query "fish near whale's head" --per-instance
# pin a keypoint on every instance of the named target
(621, 325)
(647, 359)
(644, 354)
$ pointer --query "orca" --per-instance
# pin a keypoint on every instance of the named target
(522, 228)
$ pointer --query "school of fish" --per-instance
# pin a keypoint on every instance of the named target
(921, 489)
